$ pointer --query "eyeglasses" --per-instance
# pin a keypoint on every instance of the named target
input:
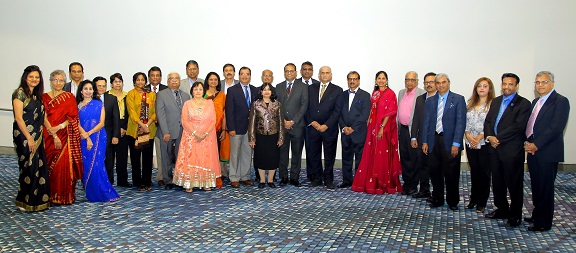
(173, 78)
(411, 80)
(289, 71)
(57, 80)
(245, 74)
(542, 83)
(353, 79)
(443, 82)
(307, 69)
(429, 82)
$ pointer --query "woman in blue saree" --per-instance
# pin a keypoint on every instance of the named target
(93, 135)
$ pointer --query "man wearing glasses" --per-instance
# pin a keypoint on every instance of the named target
(408, 155)
(192, 71)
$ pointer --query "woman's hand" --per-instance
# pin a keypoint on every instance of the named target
(31, 145)
(53, 130)
(380, 133)
(89, 144)
(85, 135)
(122, 132)
(222, 135)
(57, 142)
(252, 144)
(280, 143)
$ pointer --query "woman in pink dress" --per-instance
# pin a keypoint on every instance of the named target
(198, 163)
(379, 169)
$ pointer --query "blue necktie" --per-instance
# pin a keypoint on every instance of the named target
(500, 112)
(247, 95)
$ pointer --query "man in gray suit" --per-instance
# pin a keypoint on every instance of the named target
(229, 73)
(192, 71)
(169, 110)
(293, 95)
(408, 155)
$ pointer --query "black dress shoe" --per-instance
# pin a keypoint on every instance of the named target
(330, 185)
(454, 208)
(261, 185)
(344, 185)
(529, 219)
(409, 191)
(272, 185)
(430, 199)
(315, 183)
(295, 183)
(496, 215)
(283, 182)
(436, 204)
(537, 229)
(513, 222)
(169, 186)
(125, 185)
(421, 195)
(470, 205)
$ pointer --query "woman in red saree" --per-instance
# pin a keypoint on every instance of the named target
(380, 168)
(62, 141)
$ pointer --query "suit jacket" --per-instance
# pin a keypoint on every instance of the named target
(237, 110)
(160, 87)
(169, 114)
(185, 84)
(112, 118)
(511, 128)
(453, 121)
(295, 105)
(357, 116)
(548, 135)
(223, 85)
(68, 88)
(327, 110)
(314, 81)
(400, 96)
(418, 118)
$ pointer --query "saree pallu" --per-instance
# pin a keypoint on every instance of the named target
(33, 182)
(64, 165)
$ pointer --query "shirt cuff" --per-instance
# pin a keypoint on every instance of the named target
(456, 144)
(413, 139)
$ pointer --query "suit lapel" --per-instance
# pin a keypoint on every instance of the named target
(327, 92)
(510, 105)
(548, 104)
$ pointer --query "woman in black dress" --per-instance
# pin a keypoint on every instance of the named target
(265, 133)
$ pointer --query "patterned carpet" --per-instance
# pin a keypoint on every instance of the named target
(286, 219)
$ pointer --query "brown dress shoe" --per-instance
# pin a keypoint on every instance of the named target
(161, 182)
(248, 182)
(235, 184)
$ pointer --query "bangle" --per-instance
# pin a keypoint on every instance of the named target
(61, 126)
(207, 134)
(194, 133)
(381, 125)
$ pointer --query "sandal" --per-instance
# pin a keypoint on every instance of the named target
(189, 190)
(142, 188)
(148, 188)
(207, 188)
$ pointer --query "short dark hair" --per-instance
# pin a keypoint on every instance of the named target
(75, 63)
(39, 89)
(249, 70)
(512, 75)
(227, 65)
(195, 84)
(206, 86)
(264, 85)
(135, 76)
(429, 74)
(192, 62)
(307, 63)
(114, 76)
(290, 64)
(155, 68)
(79, 96)
(98, 78)
(354, 72)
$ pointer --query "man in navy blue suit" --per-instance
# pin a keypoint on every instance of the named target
(238, 101)
(355, 111)
(324, 106)
(545, 148)
(444, 125)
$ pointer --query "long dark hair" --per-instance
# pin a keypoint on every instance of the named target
(39, 89)
(206, 86)
(475, 98)
(79, 96)
(272, 89)
(377, 74)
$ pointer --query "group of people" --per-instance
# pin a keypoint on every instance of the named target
(208, 130)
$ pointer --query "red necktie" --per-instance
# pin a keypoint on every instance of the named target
(155, 89)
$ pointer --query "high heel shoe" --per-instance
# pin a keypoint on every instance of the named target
(261, 185)
(272, 185)
(471, 205)
(480, 209)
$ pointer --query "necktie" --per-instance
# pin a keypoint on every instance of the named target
(351, 92)
(308, 82)
(178, 99)
(533, 116)
(440, 113)
(156, 88)
(99, 97)
(247, 95)
(322, 91)
(500, 112)
(289, 88)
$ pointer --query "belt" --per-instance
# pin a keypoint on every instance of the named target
(441, 133)
(403, 126)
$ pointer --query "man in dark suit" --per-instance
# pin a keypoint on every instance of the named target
(504, 129)
(355, 112)
(293, 95)
(416, 136)
(444, 125)
(112, 127)
(307, 70)
(324, 107)
(76, 72)
(169, 104)
(408, 155)
(545, 148)
(238, 102)
(155, 77)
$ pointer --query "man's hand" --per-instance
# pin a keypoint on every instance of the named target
(454, 151)
(166, 137)
(425, 148)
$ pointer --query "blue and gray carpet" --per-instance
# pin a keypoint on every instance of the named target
(286, 219)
